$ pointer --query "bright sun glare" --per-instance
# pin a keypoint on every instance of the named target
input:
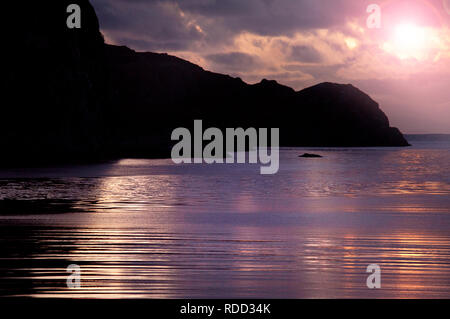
(409, 41)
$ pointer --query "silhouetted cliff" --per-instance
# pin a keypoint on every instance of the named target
(70, 97)
(55, 92)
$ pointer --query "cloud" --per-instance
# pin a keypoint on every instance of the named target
(234, 61)
(303, 53)
(194, 23)
(147, 25)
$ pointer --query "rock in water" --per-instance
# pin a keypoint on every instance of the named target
(308, 155)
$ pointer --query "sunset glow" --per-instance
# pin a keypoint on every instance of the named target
(410, 41)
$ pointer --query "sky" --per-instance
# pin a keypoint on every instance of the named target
(397, 51)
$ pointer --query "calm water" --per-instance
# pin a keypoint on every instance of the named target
(148, 228)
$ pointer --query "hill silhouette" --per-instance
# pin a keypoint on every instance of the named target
(69, 96)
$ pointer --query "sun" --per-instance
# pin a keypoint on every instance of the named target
(409, 41)
(409, 37)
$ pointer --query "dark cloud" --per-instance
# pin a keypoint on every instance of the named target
(146, 25)
(307, 54)
(162, 22)
(234, 61)
(275, 17)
